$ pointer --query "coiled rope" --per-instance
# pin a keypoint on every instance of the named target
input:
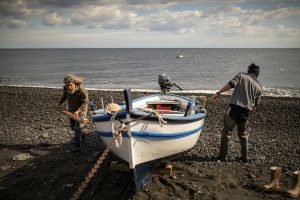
(117, 131)
(149, 110)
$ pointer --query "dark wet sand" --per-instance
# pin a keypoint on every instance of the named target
(30, 125)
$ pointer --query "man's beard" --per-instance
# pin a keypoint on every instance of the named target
(71, 92)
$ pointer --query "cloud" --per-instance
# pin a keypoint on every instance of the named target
(283, 31)
(106, 17)
(12, 23)
(14, 8)
(13, 13)
(135, 3)
(228, 19)
(260, 15)
(55, 18)
(226, 8)
(173, 21)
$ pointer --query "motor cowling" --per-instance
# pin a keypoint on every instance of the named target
(164, 82)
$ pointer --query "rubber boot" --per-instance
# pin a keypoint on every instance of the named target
(82, 137)
(223, 148)
(244, 148)
(274, 181)
(295, 190)
(78, 135)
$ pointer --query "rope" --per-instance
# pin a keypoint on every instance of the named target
(160, 119)
(92, 172)
(117, 133)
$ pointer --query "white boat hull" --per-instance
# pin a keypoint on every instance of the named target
(171, 139)
(148, 140)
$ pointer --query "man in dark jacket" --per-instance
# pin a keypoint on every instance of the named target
(244, 99)
(77, 98)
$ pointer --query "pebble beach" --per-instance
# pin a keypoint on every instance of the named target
(31, 125)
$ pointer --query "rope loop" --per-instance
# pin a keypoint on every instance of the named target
(160, 118)
(117, 131)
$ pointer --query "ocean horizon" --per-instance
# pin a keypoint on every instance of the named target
(202, 70)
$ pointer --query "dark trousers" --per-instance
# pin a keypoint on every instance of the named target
(229, 124)
(77, 128)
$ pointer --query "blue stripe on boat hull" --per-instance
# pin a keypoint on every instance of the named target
(137, 115)
(152, 134)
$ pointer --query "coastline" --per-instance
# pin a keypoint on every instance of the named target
(267, 92)
(31, 125)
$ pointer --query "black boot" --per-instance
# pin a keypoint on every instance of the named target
(223, 148)
(83, 138)
(244, 149)
(78, 135)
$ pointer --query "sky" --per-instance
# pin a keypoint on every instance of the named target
(149, 24)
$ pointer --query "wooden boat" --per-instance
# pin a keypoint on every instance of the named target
(153, 129)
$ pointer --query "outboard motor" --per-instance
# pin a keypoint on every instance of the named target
(165, 83)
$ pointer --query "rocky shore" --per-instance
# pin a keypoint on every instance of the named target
(30, 125)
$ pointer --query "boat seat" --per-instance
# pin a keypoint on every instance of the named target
(163, 102)
(169, 112)
(165, 105)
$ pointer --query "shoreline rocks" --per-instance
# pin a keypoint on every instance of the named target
(30, 122)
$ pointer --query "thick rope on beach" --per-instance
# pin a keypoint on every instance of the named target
(92, 172)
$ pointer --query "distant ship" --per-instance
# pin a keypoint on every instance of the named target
(179, 56)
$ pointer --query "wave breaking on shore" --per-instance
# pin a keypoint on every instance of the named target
(271, 92)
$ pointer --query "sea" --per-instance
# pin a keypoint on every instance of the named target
(199, 70)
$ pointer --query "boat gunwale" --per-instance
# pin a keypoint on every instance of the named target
(135, 113)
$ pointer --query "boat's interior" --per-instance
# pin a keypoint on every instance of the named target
(166, 105)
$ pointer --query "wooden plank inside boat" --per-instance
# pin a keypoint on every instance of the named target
(163, 102)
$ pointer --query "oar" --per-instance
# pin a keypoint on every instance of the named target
(72, 116)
